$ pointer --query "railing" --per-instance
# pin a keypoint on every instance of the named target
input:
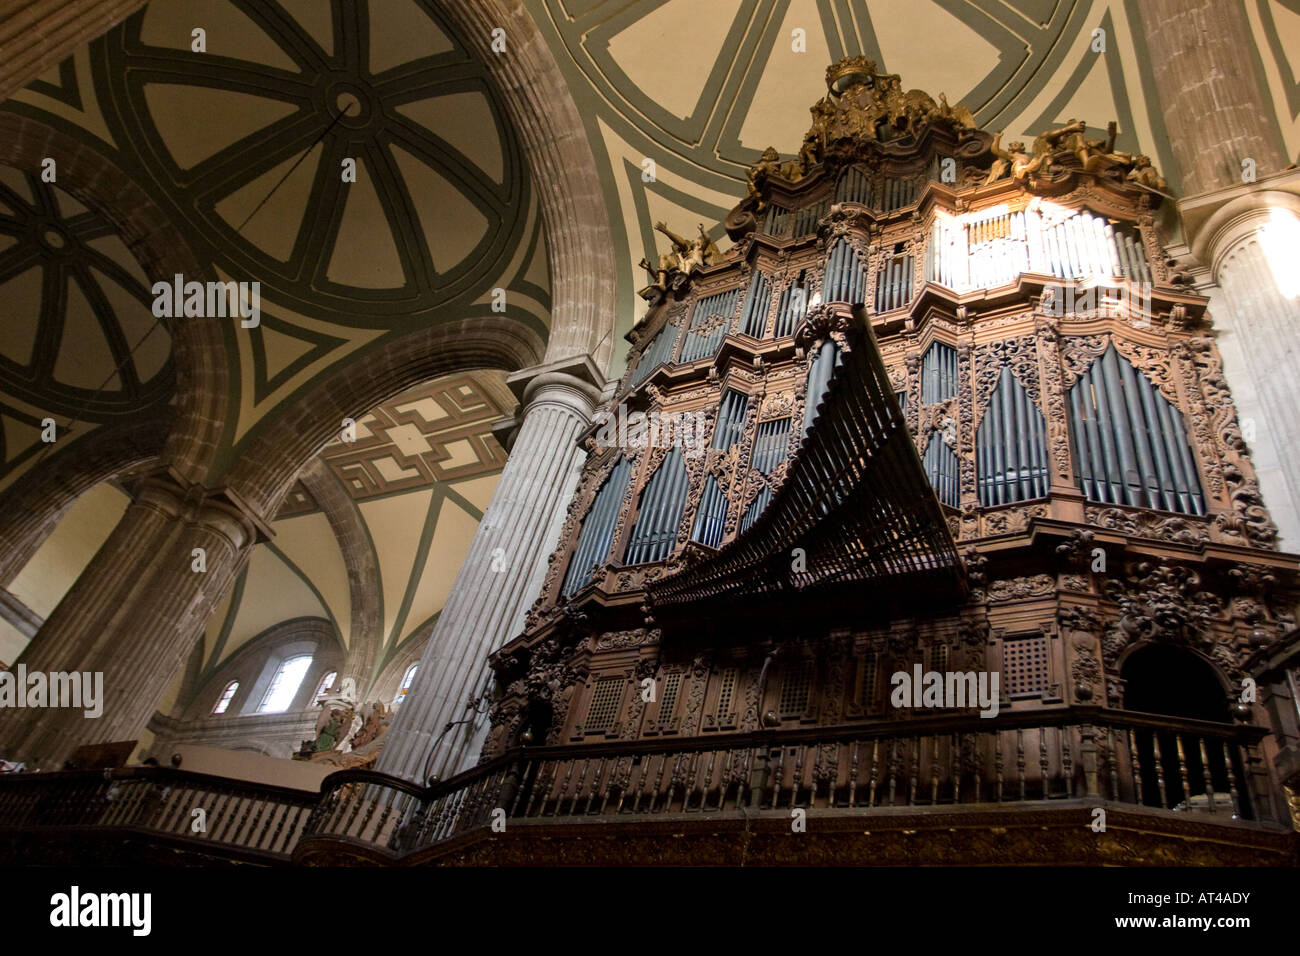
(252, 818)
(1037, 757)
(1209, 769)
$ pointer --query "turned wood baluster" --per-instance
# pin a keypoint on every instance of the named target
(707, 782)
(615, 775)
(595, 783)
(564, 788)
(262, 822)
(1112, 763)
(356, 798)
(875, 772)
(672, 781)
(645, 775)
(542, 783)
(853, 773)
(776, 777)
(279, 828)
(1160, 770)
(1042, 762)
(1233, 783)
(997, 741)
(798, 774)
(934, 772)
(659, 780)
(1137, 770)
(817, 771)
(1067, 760)
(834, 776)
(1020, 760)
(1205, 775)
(893, 767)
(954, 766)
(577, 789)
(916, 772)
(1182, 770)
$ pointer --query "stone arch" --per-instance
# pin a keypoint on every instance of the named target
(267, 467)
(578, 235)
(31, 507)
(1173, 681)
(365, 631)
(247, 663)
(198, 347)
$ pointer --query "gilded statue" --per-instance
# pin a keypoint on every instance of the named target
(759, 173)
(684, 256)
(1013, 160)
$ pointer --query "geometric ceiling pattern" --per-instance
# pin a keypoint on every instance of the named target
(80, 344)
(435, 432)
(351, 157)
(702, 89)
(418, 477)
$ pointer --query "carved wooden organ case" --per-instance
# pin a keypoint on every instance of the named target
(1064, 393)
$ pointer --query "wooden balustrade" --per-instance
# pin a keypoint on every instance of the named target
(1037, 757)
(238, 815)
(942, 761)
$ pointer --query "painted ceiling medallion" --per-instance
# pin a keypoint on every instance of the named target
(80, 340)
(257, 140)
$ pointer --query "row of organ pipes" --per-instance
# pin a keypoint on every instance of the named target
(991, 247)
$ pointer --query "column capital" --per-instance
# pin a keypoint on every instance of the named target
(578, 374)
(1215, 222)
(218, 508)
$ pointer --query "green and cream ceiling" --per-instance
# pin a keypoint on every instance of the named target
(411, 488)
(702, 87)
(242, 146)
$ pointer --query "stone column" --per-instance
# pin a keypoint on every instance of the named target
(501, 575)
(1239, 244)
(134, 616)
(1213, 107)
(1218, 115)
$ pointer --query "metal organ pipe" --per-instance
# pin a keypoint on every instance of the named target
(1159, 453)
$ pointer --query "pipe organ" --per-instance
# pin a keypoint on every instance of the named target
(894, 366)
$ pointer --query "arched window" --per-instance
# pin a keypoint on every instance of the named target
(1011, 446)
(660, 513)
(406, 684)
(227, 695)
(938, 374)
(597, 528)
(1129, 442)
(942, 469)
(327, 682)
(285, 684)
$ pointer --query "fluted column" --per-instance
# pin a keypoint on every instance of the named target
(133, 616)
(501, 575)
(1243, 238)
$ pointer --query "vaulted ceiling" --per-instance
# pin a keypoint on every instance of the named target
(701, 88)
(249, 146)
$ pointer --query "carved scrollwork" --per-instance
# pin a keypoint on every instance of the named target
(1013, 589)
